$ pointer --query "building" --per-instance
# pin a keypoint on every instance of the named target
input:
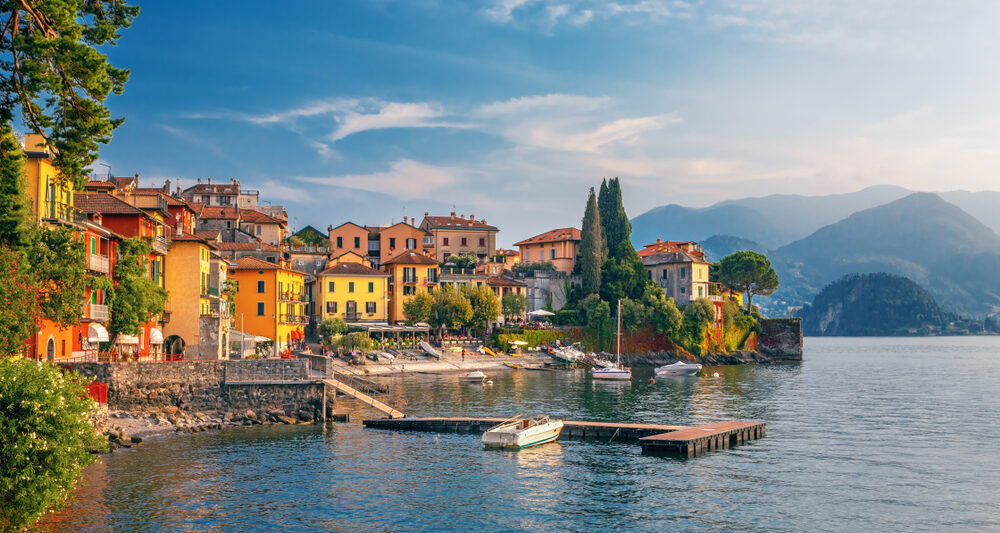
(457, 235)
(269, 301)
(409, 273)
(502, 261)
(377, 243)
(262, 226)
(102, 253)
(558, 246)
(660, 246)
(353, 292)
(682, 275)
(462, 277)
(223, 194)
(199, 324)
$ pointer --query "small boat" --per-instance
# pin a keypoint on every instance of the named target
(511, 365)
(522, 433)
(615, 371)
(678, 369)
(430, 350)
(474, 377)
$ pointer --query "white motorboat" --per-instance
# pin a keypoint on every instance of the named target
(474, 377)
(522, 433)
(678, 369)
(615, 371)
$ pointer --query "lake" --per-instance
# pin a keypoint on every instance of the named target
(864, 434)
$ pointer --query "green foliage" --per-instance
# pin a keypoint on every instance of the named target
(58, 261)
(485, 305)
(591, 247)
(567, 317)
(661, 312)
(600, 324)
(418, 308)
(46, 437)
(748, 272)
(449, 309)
(296, 241)
(624, 277)
(51, 71)
(736, 324)
(463, 261)
(330, 327)
(356, 341)
(615, 226)
(513, 305)
(19, 294)
(136, 298)
(534, 337)
(698, 318)
(311, 236)
(524, 268)
(15, 217)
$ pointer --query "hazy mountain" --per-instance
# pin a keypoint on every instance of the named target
(984, 205)
(878, 304)
(922, 237)
(718, 246)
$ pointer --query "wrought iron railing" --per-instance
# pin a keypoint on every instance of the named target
(99, 263)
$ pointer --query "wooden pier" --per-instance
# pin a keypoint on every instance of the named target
(690, 442)
(655, 438)
(346, 389)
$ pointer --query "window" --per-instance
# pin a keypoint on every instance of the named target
(527, 257)
(464, 241)
(411, 244)
(370, 307)
(329, 287)
(432, 275)
(683, 272)
(340, 242)
(260, 308)
(409, 275)
(409, 289)
(350, 286)
(93, 246)
(444, 241)
(260, 286)
(682, 290)
(229, 224)
(701, 291)
(371, 286)
(552, 253)
(482, 241)
(392, 243)
(664, 274)
(258, 229)
(357, 242)
(331, 307)
(430, 290)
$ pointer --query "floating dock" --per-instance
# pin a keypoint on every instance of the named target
(655, 438)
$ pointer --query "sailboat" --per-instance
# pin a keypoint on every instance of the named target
(615, 371)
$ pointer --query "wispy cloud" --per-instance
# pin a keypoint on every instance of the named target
(547, 14)
(404, 178)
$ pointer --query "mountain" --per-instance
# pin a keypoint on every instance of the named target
(678, 223)
(922, 237)
(982, 205)
(878, 304)
(718, 246)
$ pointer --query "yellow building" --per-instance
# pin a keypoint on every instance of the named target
(409, 273)
(51, 196)
(269, 301)
(199, 313)
(353, 292)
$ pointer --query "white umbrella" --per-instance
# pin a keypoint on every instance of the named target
(540, 312)
(519, 343)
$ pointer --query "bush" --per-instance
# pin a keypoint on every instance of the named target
(46, 437)
(534, 337)
(567, 317)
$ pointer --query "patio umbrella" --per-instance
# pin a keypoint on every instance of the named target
(540, 312)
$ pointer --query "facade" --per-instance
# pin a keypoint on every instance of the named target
(196, 304)
(558, 246)
(409, 273)
(269, 301)
(223, 194)
(353, 292)
(462, 277)
(52, 198)
(660, 246)
(309, 259)
(262, 226)
(348, 237)
(683, 276)
(457, 235)
(377, 243)
(102, 252)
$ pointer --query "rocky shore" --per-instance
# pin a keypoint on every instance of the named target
(738, 357)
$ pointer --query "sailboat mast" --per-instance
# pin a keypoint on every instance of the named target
(618, 336)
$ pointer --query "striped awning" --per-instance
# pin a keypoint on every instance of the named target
(96, 333)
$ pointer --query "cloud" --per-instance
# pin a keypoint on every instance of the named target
(405, 178)
(387, 115)
(546, 14)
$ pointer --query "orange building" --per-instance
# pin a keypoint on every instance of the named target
(270, 301)
(377, 243)
(558, 246)
(457, 235)
(409, 273)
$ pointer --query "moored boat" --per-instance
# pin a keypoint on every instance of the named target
(475, 376)
(522, 433)
(615, 371)
(678, 369)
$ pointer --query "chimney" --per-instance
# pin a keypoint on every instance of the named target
(452, 214)
(658, 240)
(166, 186)
(472, 217)
(199, 180)
(179, 231)
(426, 214)
(209, 181)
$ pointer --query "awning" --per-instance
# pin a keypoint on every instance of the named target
(155, 336)
(96, 333)
(258, 338)
(540, 312)
(127, 339)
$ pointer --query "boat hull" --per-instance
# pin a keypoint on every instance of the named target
(516, 440)
(615, 375)
(677, 370)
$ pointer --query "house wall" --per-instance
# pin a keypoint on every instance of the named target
(187, 285)
(454, 244)
(247, 297)
(683, 282)
(396, 287)
(347, 233)
(400, 233)
(361, 296)
(564, 258)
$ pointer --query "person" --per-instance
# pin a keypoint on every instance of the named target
(463, 354)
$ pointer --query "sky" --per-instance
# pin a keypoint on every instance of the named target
(371, 110)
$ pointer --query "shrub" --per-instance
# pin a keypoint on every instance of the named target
(46, 437)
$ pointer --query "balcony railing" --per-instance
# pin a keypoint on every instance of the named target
(352, 316)
(294, 319)
(65, 213)
(95, 311)
(216, 309)
(99, 263)
(160, 245)
(292, 296)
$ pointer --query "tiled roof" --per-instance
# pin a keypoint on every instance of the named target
(218, 213)
(99, 184)
(208, 234)
(352, 269)
(409, 258)
(660, 247)
(248, 246)
(252, 263)
(212, 188)
(171, 199)
(249, 215)
(122, 182)
(456, 222)
(504, 282)
(555, 235)
(666, 258)
(104, 204)
(186, 237)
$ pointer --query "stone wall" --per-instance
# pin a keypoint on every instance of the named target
(211, 386)
(781, 338)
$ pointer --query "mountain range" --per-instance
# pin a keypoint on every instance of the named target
(936, 243)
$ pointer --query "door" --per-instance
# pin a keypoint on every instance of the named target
(50, 350)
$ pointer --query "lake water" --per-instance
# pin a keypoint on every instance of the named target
(865, 434)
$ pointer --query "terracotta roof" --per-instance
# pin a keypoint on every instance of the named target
(249, 215)
(212, 188)
(352, 269)
(555, 235)
(666, 258)
(660, 247)
(252, 263)
(409, 258)
(171, 199)
(504, 282)
(457, 222)
(349, 224)
(104, 204)
(218, 212)
(208, 234)
(248, 246)
(186, 237)
(99, 184)
(124, 181)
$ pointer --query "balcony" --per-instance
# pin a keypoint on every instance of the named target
(294, 319)
(99, 263)
(352, 316)
(65, 213)
(213, 291)
(160, 245)
(216, 309)
(95, 311)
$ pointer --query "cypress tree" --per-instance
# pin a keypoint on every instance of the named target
(591, 246)
(14, 215)
(604, 206)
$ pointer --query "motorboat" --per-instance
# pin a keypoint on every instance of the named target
(679, 368)
(522, 433)
(475, 376)
(615, 371)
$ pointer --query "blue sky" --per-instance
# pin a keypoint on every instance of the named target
(511, 109)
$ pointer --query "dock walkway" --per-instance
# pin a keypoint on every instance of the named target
(347, 390)
(690, 442)
(606, 431)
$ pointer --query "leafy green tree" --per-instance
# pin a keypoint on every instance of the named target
(748, 272)
(699, 315)
(136, 298)
(330, 327)
(600, 324)
(52, 72)
(19, 294)
(591, 247)
(418, 308)
(356, 341)
(513, 305)
(15, 217)
(615, 226)
(46, 437)
(524, 268)
(463, 261)
(624, 278)
(633, 314)
(58, 261)
(661, 312)
(450, 309)
(485, 307)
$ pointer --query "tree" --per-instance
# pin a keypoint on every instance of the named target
(19, 294)
(485, 307)
(698, 317)
(661, 312)
(591, 247)
(524, 268)
(46, 437)
(15, 218)
(615, 226)
(418, 308)
(464, 260)
(513, 305)
(750, 273)
(600, 325)
(450, 309)
(330, 327)
(51, 71)
(58, 262)
(136, 298)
